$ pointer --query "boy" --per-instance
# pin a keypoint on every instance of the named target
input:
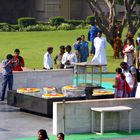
(18, 61)
(7, 73)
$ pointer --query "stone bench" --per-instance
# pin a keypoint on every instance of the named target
(103, 110)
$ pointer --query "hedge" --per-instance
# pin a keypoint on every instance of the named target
(90, 19)
(56, 21)
(75, 22)
(26, 21)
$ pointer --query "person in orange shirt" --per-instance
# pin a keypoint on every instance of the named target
(18, 61)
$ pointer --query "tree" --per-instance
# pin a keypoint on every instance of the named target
(107, 24)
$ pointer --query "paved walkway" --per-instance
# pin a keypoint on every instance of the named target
(17, 124)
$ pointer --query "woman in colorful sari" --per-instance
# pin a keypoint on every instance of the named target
(129, 52)
(122, 88)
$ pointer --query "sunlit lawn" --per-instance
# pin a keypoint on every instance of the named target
(33, 45)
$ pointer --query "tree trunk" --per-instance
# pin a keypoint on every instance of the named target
(107, 23)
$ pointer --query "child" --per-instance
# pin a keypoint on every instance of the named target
(42, 135)
(7, 73)
(119, 84)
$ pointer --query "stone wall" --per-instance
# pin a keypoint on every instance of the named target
(10, 10)
(77, 115)
(40, 79)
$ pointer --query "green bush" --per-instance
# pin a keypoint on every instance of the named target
(42, 23)
(90, 19)
(75, 22)
(15, 27)
(65, 26)
(5, 27)
(81, 26)
(26, 21)
(38, 27)
(56, 21)
(134, 17)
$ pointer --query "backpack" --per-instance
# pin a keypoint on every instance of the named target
(137, 73)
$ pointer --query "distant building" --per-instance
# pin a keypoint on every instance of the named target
(10, 10)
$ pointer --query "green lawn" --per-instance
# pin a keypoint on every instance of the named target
(33, 45)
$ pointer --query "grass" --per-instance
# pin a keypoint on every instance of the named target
(90, 136)
(33, 45)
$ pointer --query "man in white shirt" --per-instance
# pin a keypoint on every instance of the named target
(48, 59)
(100, 53)
(69, 58)
(131, 77)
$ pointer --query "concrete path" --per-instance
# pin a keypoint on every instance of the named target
(17, 124)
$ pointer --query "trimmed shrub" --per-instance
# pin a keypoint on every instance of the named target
(75, 22)
(42, 23)
(90, 19)
(5, 27)
(26, 21)
(56, 21)
(15, 27)
(65, 26)
(81, 26)
(40, 28)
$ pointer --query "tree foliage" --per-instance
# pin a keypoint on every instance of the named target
(107, 23)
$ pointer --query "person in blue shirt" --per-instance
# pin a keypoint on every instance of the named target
(84, 50)
(92, 34)
(77, 48)
(7, 73)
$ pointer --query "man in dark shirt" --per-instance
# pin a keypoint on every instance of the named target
(58, 58)
(7, 73)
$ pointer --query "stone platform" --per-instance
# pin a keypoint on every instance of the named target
(41, 105)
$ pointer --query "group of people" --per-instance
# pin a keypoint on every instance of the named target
(42, 135)
(128, 75)
(126, 81)
(12, 63)
(130, 49)
(66, 58)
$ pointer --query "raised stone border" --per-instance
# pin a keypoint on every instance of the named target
(75, 116)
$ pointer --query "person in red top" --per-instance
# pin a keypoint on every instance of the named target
(18, 61)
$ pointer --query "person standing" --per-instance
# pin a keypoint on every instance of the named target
(138, 51)
(48, 59)
(100, 53)
(78, 49)
(85, 52)
(121, 88)
(7, 73)
(131, 77)
(129, 52)
(69, 58)
(18, 61)
(92, 34)
(58, 58)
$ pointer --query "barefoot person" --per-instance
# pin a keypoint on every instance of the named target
(100, 53)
